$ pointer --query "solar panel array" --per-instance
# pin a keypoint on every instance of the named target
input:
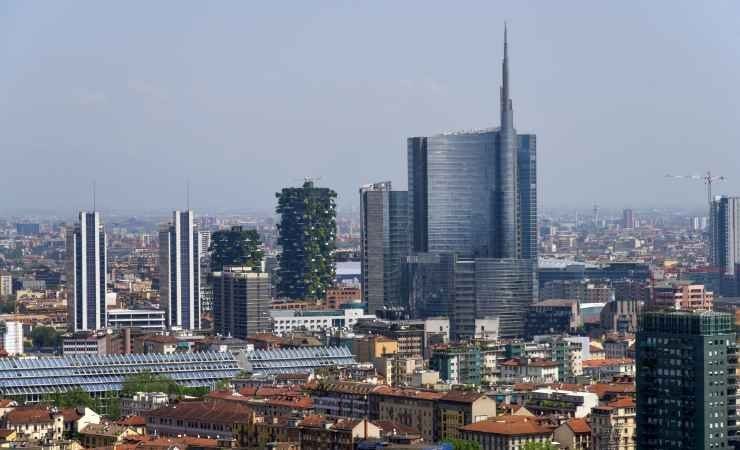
(298, 360)
(35, 377)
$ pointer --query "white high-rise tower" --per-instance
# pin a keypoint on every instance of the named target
(179, 272)
(86, 273)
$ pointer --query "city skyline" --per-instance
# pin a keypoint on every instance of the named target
(127, 125)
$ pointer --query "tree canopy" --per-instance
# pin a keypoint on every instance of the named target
(539, 446)
(236, 247)
(151, 382)
(45, 337)
(461, 444)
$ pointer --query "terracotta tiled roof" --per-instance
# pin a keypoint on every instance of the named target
(213, 412)
(603, 389)
(345, 387)
(347, 424)
(313, 421)
(29, 415)
(542, 363)
(596, 363)
(70, 414)
(132, 421)
(508, 425)
(579, 426)
(623, 402)
(248, 391)
(104, 429)
(408, 393)
(388, 427)
(462, 396)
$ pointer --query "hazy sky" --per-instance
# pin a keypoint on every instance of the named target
(243, 98)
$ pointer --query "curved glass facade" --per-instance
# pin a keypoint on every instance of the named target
(504, 288)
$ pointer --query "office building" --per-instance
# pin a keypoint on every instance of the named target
(241, 302)
(289, 320)
(86, 273)
(383, 244)
(628, 219)
(307, 234)
(472, 203)
(686, 380)
(725, 226)
(142, 319)
(27, 229)
(179, 272)
(206, 293)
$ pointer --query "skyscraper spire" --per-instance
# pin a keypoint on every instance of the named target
(507, 214)
(506, 104)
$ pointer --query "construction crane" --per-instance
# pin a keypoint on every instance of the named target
(708, 179)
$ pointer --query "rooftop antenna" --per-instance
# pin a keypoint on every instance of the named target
(187, 195)
(93, 195)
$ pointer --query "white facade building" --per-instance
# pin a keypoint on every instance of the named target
(179, 272)
(13, 338)
(285, 321)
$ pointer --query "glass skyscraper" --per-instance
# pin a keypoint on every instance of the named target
(473, 195)
(383, 244)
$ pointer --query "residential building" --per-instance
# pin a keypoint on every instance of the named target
(86, 273)
(143, 401)
(179, 272)
(569, 356)
(458, 364)
(319, 433)
(6, 285)
(682, 295)
(686, 380)
(613, 427)
(370, 348)
(35, 423)
(410, 407)
(100, 435)
(201, 418)
(506, 432)
(341, 399)
(608, 368)
(307, 233)
(383, 244)
(538, 371)
(574, 434)
(559, 402)
(241, 302)
(459, 408)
